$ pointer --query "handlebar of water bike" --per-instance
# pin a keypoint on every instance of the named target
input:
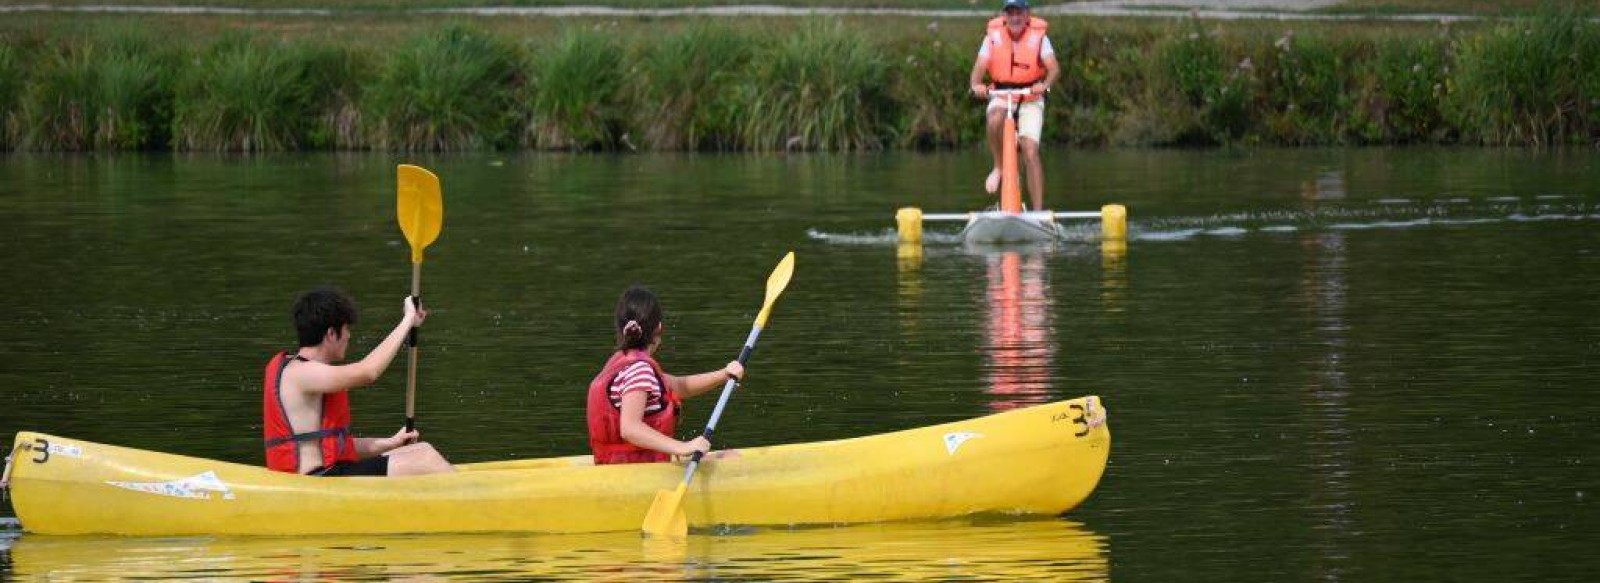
(1022, 92)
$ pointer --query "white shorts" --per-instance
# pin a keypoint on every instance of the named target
(1030, 117)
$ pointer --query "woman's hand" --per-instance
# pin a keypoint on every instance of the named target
(700, 444)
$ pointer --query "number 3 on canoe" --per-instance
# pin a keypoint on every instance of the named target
(666, 513)
(420, 210)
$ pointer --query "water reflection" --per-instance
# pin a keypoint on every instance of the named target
(1019, 338)
(1114, 275)
(1324, 289)
(1018, 332)
(1053, 550)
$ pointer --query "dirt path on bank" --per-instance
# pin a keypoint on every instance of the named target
(1206, 9)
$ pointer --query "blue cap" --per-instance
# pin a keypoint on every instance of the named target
(1022, 4)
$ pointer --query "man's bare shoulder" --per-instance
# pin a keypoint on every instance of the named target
(302, 378)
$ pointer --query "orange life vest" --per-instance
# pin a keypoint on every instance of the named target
(605, 419)
(1016, 63)
(283, 444)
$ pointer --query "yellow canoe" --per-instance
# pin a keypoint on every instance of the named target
(1044, 459)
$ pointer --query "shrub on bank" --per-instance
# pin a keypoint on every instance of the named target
(576, 100)
(449, 90)
(248, 94)
(1309, 96)
(934, 107)
(10, 86)
(133, 94)
(1205, 89)
(820, 88)
(1521, 82)
(60, 106)
(1402, 102)
(688, 87)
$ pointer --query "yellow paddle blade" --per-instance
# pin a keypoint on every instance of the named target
(775, 284)
(419, 207)
(665, 517)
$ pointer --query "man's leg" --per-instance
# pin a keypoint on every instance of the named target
(417, 459)
(996, 129)
(1030, 128)
(1030, 159)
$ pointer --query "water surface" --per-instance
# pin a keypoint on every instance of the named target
(1320, 364)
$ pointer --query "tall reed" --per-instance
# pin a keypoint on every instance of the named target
(59, 105)
(338, 75)
(821, 87)
(1521, 81)
(577, 102)
(445, 90)
(134, 97)
(687, 88)
(247, 94)
(10, 86)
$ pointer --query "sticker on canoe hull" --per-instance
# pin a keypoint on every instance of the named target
(953, 441)
(197, 487)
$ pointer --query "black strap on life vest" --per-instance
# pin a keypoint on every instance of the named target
(309, 435)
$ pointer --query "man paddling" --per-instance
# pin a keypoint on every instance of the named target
(306, 400)
(1016, 54)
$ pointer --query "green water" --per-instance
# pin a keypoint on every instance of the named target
(1319, 364)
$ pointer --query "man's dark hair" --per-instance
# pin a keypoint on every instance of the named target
(319, 310)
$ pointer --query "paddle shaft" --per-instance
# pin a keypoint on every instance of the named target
(722, 402)
(411, 342)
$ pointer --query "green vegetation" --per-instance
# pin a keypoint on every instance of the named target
(1463, 7)
(248, 94)
(765, 84)
(819, 88)
(1469, 7)
(690, 76)
(451, 89)
(1522, 83)
(393, 6)
(577, 101)
(10, 85)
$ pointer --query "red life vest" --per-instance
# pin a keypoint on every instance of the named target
(283, 444)
(605, 419)
(1016, 63)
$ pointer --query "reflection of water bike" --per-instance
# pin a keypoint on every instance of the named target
(1010, 223)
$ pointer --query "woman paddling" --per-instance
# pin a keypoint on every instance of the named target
(633, 404)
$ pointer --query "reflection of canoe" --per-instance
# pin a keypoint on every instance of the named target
(1004, 227)
(1007, 551)
(1038, 460)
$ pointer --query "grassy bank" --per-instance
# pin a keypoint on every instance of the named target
(1457, 7)
(416, 83)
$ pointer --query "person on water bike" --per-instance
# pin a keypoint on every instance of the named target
(306, 401)
(633, 405)
(1016, 54)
